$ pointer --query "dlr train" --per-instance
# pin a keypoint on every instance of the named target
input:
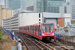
(39, 31)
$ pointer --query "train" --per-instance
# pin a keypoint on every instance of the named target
(39, 31)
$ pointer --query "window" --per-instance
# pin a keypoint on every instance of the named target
(35, 28)
(47, 28)
(24, 28)
(39, 19)
(68, 3)
(39, 15)
(65, 9)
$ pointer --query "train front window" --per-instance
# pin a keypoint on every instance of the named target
(47, 28)
(43, 28)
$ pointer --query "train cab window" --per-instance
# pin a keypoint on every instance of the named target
(51, 28)
(47, 27)
(43, 28)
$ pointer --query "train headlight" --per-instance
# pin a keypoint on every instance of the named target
(43, 34)
(53, 34)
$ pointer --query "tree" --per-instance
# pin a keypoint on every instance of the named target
(1, 34)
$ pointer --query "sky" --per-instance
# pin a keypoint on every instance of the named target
(1, 2)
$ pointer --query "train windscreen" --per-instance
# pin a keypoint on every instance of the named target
(47, 28)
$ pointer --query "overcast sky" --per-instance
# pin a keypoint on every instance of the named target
(1, 2)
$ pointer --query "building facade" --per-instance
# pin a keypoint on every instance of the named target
(44, 5)
(68, 7)
(0, 15)
(4, 14)
(53, 5)
(14, 4)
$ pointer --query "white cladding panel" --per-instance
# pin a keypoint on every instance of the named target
(29, 19)
(52, 21)
(51, 15)
(66, 15)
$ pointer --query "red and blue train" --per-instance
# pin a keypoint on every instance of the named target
(40, 31)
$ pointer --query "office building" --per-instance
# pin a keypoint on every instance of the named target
(14, 4)
(4, 14)
(68, 7)
(43, 5)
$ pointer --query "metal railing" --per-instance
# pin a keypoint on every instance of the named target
(67, 40)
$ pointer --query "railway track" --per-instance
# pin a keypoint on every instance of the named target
(33, 44)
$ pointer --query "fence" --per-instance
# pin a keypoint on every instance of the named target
(8, 32)
(67, 40)
(12, 36)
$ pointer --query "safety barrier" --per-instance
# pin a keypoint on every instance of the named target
(17, 42)
(12, 36)
(67, 40)
(8, 32)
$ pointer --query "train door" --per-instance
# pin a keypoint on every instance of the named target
(21, 29)
(24, 29)
(37, 30)
(31, 30)
(28, 29)
(34, 30)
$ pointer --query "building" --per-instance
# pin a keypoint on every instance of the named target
(68, 7)
(67, 19)
(4, 14)
(43, 5)
(29, 18)
(0, 15)
(1, 2)
(14, 4)
(53, 5)
(35, 5)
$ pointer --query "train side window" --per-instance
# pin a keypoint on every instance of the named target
(30, 27)
(24, 28)
(36, 28)
(33, 27)
(39, 28)
(27, 27)
(19, 28)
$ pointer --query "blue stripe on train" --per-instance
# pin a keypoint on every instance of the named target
(29, 30)
(40, 33)
(54, 33)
